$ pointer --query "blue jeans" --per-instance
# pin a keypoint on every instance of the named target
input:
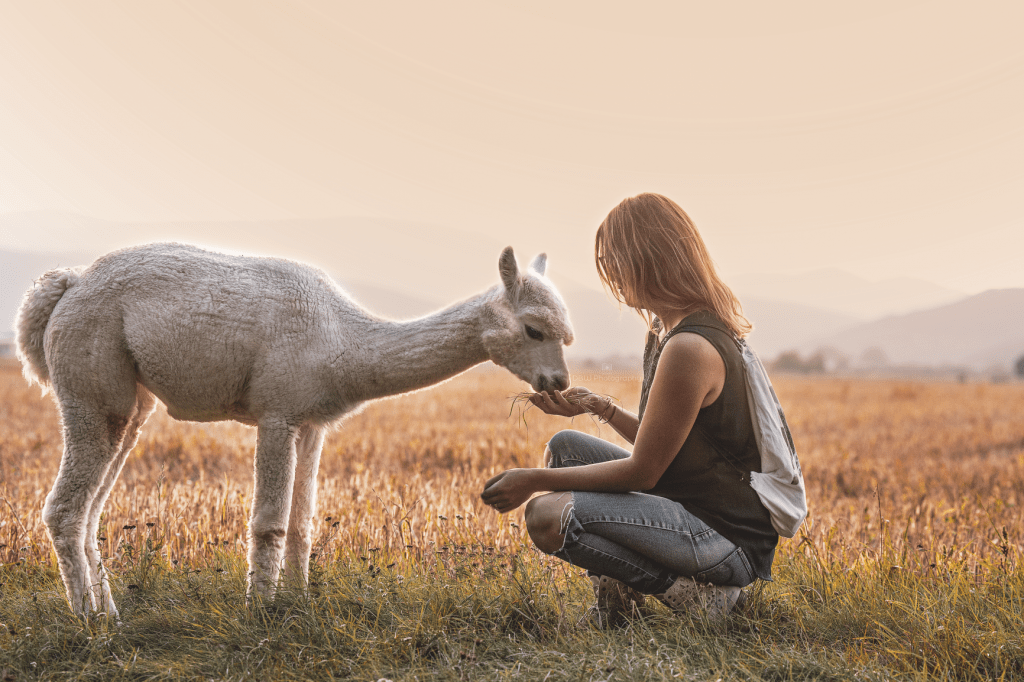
(646, 541)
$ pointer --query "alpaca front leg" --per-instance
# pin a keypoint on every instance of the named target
(308, 446)
(274, 475)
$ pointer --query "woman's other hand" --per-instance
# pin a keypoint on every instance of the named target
(509, 489)
(576, 401)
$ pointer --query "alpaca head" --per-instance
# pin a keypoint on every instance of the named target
(527, 325)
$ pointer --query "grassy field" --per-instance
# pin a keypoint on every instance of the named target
(906, 569)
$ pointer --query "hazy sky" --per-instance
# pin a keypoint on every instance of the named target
(884, 138)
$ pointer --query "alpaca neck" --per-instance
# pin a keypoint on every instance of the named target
(399, 357)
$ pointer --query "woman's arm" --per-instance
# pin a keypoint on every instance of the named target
(625, 423)
(690, 375)
(583, 401)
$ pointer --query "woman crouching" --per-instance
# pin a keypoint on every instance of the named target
(698, 532)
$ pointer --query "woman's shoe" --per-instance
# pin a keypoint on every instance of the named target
(688, 595)
(615, 600)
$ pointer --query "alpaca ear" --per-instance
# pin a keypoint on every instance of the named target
(540, 263)
(508, 268)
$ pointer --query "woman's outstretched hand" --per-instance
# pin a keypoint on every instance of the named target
(576, 401)
(508, 490)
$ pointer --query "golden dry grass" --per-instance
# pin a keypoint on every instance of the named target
(915, 489)
(406, 471)
(941, 463)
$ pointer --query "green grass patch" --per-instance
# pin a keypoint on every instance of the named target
(459, 613)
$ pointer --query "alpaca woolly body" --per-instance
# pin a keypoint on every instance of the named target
(263, 341)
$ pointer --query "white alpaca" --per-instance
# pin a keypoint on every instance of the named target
(263, 341)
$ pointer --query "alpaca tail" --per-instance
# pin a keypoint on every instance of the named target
(33, 316)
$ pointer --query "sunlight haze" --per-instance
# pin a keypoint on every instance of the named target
(882, 139)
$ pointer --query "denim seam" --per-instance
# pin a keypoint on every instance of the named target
(619, 559)
(635, 522)
(726, 558)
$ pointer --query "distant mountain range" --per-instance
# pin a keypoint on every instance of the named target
(977, 332)
(838, 291)
(980, 332)
(780, 325)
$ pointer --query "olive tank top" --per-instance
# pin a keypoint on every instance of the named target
(710, 475)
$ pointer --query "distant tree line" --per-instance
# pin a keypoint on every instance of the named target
(791, 361)
(818, 362)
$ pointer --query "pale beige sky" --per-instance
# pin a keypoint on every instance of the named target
(884, 138)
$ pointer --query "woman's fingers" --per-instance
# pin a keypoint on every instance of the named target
(573, 402)
(542, 401)
(503, 506)
(495, 493)
(549, 403)
(488, 491)
(507, 490)
(558, 404)
(496, 500)
(577, 392)
(545, 404)
(538, 400)
(555, 403)
(569, 409)
(562, 402)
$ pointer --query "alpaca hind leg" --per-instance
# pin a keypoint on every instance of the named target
(308, 445)
(89, 451)
(145, 403)
(274, 475)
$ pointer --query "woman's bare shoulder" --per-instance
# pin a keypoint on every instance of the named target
(688, 360)
(688, 346)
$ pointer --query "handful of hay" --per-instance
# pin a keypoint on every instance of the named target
(588, 401)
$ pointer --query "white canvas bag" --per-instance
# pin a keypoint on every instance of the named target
(780, 485)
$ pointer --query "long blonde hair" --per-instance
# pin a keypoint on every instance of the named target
(649, 253)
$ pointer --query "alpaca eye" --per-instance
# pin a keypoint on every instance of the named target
(533, 333)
